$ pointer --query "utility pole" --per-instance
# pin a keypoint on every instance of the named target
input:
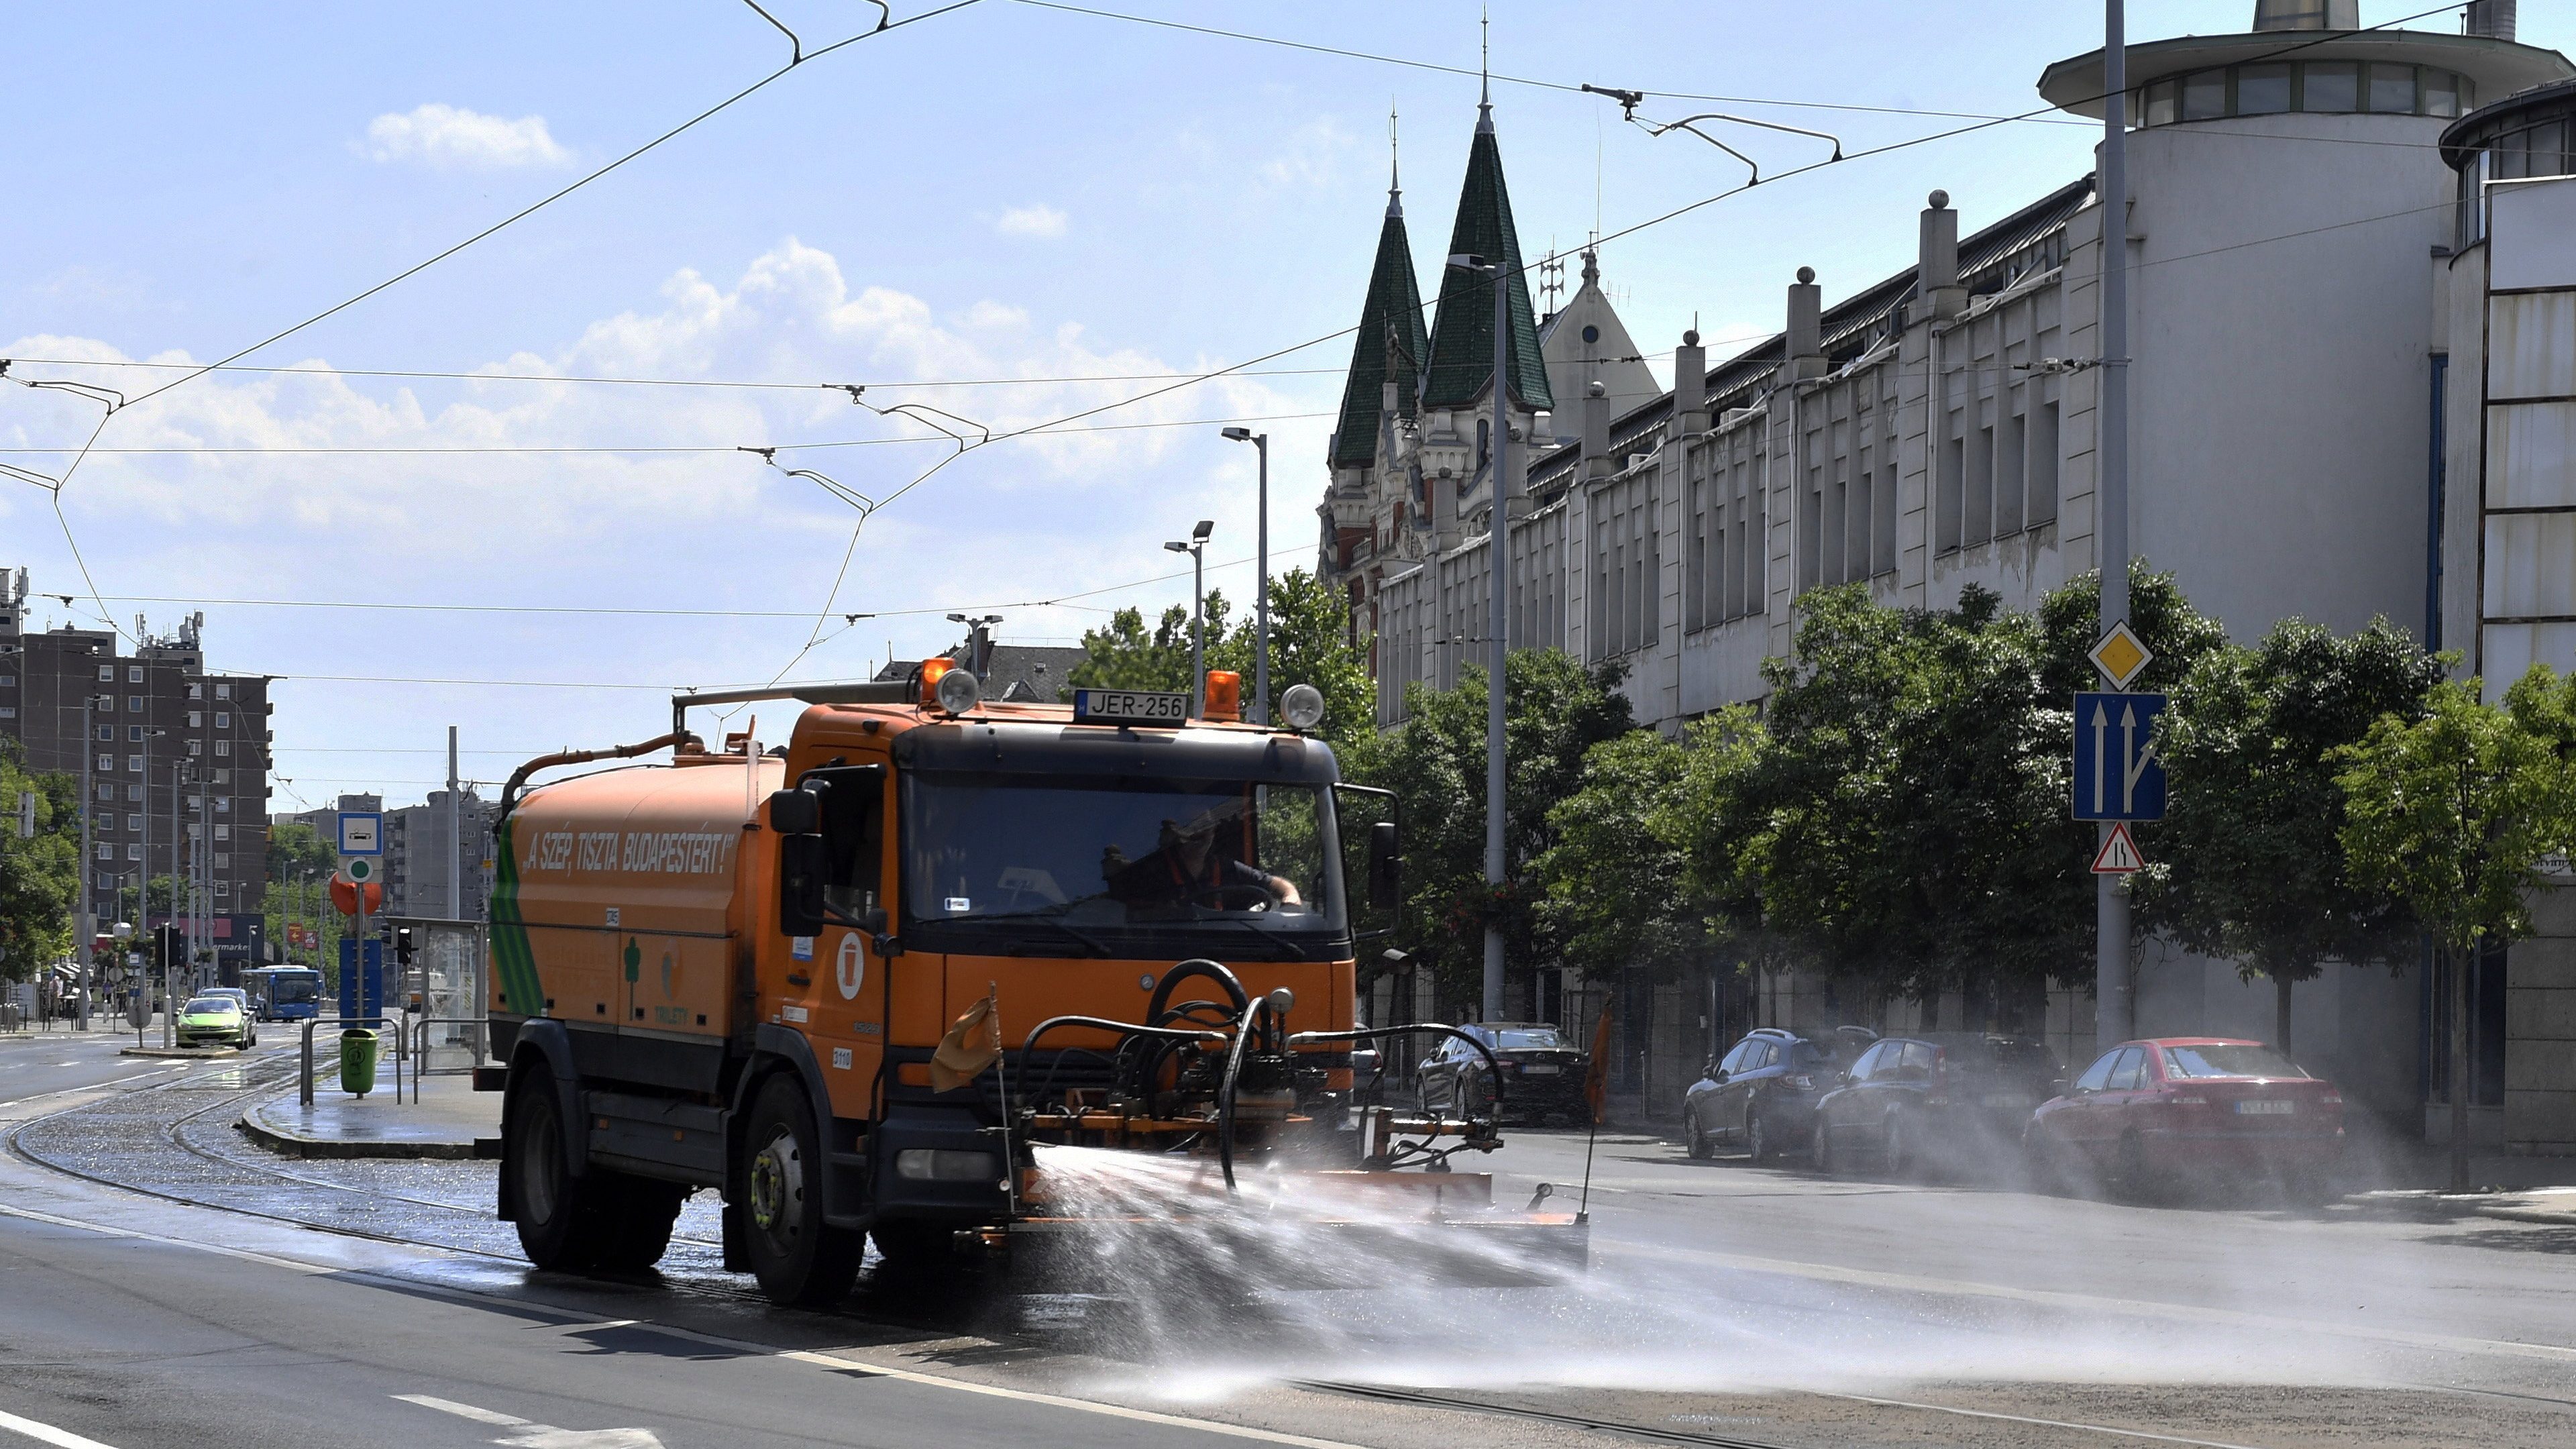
(455, 844)
(2114, 998)
(1498, 614)
(87, 921)
(1196, 548)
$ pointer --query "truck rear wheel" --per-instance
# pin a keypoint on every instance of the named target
(799, 1259)
(557, 1229)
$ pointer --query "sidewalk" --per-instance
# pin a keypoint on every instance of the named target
(450, 1121)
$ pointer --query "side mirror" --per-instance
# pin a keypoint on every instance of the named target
(795, 812)
(1385, 867)
(801, 865)
(1718, 1076)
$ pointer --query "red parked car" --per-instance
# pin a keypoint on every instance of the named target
(2151, 1112)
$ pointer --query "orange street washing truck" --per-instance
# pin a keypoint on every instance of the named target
(872, 982)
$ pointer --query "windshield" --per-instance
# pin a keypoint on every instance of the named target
(212, 1006)
(2223, 1059)
(1527, 1038)
(294, 988)
(1119, 854)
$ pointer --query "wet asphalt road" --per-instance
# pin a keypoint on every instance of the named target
(1728, 1305)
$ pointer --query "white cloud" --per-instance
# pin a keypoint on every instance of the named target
(1037, 219)
(451, 137)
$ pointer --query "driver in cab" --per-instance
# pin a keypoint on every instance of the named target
(1186, 868)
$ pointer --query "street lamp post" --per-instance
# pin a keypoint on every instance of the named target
(1498, 616)
(1261, 585)
(2114, 998)
(1196, 548)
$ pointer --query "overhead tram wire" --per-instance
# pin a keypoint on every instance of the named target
(576, 449)
(886, 22)
(541, 377)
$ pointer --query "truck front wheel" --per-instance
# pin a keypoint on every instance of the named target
(553, 1220)
(799, 1259)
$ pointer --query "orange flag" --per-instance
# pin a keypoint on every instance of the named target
(1596, 1072)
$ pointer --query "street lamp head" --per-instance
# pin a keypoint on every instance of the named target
(1238, 435)
(1470, 262)
(1178, 547)
(1200, 533)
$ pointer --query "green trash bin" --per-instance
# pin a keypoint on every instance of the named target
(358, 1062)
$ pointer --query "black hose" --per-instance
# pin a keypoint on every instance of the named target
(1225, 1093)
(1213, 971)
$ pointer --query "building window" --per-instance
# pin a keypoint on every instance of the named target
(8, 681)
(133, 763)
(132, 792)
(133, 734)
(223, 747)
(107, 734)
(2332, 86)
(196, 691)
(2392, 89)
(134, 822)
(2263, 90)
(108, 762)
(134, 852)
(2441, 93)
(223, 832)
(223, 888)
(107, 792)
(223, 691)
(223, 804)
(196, 747)
(223, 860)
(107, 674)
(134, 704)
(134, 674)
(223, 777)
(223, 719)
(196, 720)
(105, 851)
(2204, 95)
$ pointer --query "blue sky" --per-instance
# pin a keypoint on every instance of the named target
(1007, 192)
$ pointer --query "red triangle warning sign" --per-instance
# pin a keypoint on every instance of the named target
(2119, 854)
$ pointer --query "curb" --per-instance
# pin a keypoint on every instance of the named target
(289, 1144)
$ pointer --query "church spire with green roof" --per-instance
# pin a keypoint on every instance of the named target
(1391, 335)
(1462, 335)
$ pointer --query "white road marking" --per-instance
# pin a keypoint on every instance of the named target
(462, 1411)
(533, 1435)
(48, 1434)
(1053, 1401)
(93, 1086)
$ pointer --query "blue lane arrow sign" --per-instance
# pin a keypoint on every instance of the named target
(2117, 774)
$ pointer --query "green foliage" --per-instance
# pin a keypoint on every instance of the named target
(2252, 866)
(1556, 711)
(2453, 813)
(1613, 880)
(40, 875)
(1310, 643)
(295, 849)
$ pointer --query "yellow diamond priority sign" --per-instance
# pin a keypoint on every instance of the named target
(2120, 656)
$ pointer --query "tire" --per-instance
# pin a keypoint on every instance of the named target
(800, 1260)
(1422, 1096)
(1823, 1152)
(1694, 1141)
(1757, 1139)
(557, 1228)
(1896, 1146)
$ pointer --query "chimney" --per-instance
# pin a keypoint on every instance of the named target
(2310, 14)
(2490, 18)
(1596, 431)
(1937, 286)
(1690, 387)
(1805, 334)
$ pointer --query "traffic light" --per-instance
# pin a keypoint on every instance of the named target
(402, 947)
(169, 946)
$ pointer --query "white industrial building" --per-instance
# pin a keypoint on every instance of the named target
(2306, 260)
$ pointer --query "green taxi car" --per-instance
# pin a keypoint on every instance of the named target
(213, 1021)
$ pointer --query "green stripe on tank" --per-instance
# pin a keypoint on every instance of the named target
(511, 955)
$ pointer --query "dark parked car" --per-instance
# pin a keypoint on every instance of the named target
(1542, 1073)
(1761, 1096)
(2151, 1111)
(1937, 1098)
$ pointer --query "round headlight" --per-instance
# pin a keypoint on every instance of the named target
(959, 691)
(1302, 706)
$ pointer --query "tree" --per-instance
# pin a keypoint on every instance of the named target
(2452, 813)
(300, 866)
(1556, 710)
(39, 874)
(1309, 644)
(1613, 879)
(2253, 867)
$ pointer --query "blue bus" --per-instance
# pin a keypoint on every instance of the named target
(284, 993)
